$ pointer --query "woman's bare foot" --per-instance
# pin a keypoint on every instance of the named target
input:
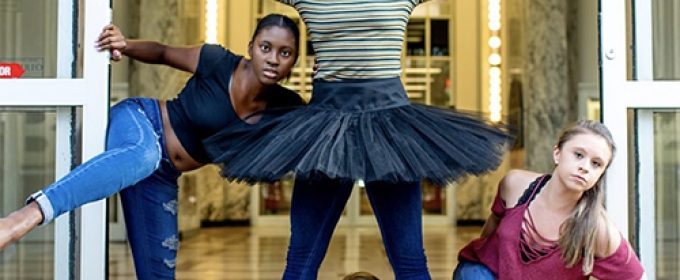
(19, 223)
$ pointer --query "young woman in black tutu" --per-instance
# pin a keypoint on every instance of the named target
(360, 124)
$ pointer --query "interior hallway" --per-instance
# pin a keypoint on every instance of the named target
(257, 253)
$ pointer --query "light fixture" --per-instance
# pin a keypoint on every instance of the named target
(495, 60)
(495, 42)
(211, 21)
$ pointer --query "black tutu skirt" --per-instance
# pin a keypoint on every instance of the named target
(366, 130)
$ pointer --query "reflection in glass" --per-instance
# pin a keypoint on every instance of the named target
(275, 197)
(667, 194)
(665, 40)
(416, 34)
(265, 7)
(440, 88)
(29, 36)
(431, 86)
(415, 79)
(439, 40)
(27, 164)
(415, 37)
(433, 200)
(300, 79)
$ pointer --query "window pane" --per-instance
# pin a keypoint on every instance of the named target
(428, 85)
(415, 37)
(300, 79)
(665, 40)
(667, 194)
(276, 197)
(29, 45)
(440, 86)
(434, 199)
(27, 164)
(440, 38)
(415, 79)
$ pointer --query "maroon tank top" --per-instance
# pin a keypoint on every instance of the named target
(511, 251)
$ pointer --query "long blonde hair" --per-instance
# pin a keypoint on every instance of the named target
(579, 232)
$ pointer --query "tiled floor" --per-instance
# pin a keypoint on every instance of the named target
(258, 253)
(246, 253)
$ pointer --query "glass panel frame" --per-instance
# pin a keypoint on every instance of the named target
(665, 39)
(27, 160)
(619, 95)
(35, 54)
(91, 93)
(426, 58)
(665, 134)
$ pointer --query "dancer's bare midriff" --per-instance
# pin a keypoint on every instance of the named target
(176, 153)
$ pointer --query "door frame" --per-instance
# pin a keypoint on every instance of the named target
(91, 93)
(620, 95)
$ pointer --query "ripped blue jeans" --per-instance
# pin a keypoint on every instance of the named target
(135, 163)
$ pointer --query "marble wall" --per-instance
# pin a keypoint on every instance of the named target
(219, 200)
(474, 196)
(160, 23)
(549, 80)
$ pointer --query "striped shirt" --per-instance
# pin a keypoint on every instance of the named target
(356, 39)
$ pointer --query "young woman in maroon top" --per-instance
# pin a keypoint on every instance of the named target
(557, 228)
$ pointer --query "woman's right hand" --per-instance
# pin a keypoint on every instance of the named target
(112, 39)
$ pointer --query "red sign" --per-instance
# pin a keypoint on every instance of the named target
(10, 70)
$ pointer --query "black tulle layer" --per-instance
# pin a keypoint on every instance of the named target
(400, 142)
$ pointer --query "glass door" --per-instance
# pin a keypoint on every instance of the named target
(640, 69)
(53, 115)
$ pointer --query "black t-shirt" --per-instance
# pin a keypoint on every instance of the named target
(203, 107)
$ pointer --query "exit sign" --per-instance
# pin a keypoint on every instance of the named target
(11, 70)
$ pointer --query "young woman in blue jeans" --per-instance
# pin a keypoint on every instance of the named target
(150, 142)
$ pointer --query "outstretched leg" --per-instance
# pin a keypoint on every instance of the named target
(132, 154)
(19, 223)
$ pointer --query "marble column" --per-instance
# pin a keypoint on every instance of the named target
(157, 20)
(549, 80)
